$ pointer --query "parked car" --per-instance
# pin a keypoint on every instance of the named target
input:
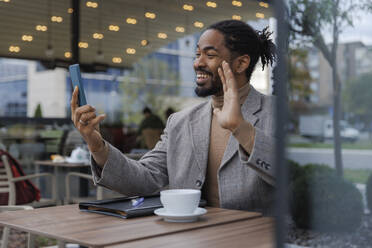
(320, 128)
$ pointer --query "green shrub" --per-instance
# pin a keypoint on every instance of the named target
(320, 169)
(369, 192)
(322, 201)
(294, 170)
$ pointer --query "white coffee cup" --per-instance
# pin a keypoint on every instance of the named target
(180, 201)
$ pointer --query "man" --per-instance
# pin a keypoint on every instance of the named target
(225, 146)
(150, 121)
(168, 112)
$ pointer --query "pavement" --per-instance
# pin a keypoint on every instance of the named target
(352, 159)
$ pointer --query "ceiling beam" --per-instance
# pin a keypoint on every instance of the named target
(75, 37)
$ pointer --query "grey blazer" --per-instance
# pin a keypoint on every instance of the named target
(179, 159)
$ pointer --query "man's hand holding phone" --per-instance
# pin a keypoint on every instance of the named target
(87, 122)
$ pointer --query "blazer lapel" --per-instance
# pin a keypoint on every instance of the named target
(200, 134)
(249, 108)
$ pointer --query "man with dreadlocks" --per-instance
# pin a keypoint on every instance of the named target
(224, 146)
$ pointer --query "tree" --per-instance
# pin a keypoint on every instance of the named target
(299, 82)
(151, 83)
(308, 20)
(360, 106)
(38, 112)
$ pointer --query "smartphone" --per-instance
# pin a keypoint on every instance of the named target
(76, 81)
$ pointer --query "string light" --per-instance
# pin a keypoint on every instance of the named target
(162, 35)
(83, 44)
(236, 3)
(131, 20)
(263, 4)
(131, 50)
(180, 29)
(93, 5)
(211, 4)
(97, 36)
(198, 24)
(41, 28)
(150, 15)
(14, 49)
(188, 7)
(116, 60)
(28, 38)
(57, 19)
(236, 17)
(114, 28)
(260, 15)
(144, 42)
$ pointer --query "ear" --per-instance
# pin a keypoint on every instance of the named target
(241, 63)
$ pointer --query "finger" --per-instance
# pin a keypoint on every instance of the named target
(230, 80)
(84, 109)
(97, 120)
(73, 103)
(216, 111)
(81, 110)
(223, 80)
(86, 117)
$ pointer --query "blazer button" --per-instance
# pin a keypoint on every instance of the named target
(198, 183)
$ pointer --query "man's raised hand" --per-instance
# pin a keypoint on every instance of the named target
(230, 116)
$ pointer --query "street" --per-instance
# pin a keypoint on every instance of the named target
(352, 159)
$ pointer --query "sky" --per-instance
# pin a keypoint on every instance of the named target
(362, 30)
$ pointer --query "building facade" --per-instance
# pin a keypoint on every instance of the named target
(354, 59)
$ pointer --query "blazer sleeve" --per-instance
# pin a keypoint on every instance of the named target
(130, 177)
(262, 157)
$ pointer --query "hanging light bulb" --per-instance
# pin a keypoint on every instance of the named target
(49, 52)
(100, 56)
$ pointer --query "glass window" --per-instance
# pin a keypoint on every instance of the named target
(328, 149)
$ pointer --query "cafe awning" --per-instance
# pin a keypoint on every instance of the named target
(111, 33)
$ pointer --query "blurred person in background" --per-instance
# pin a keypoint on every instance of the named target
(168, 112)
(150, 129)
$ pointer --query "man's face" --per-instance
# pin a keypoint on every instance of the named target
(210, 53)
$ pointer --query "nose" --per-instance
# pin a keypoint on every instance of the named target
(199, 62)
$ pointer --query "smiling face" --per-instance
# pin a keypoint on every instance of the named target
(210, 53)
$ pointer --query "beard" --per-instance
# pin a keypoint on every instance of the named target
(213, 89)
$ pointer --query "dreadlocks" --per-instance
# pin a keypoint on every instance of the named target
(241, 38)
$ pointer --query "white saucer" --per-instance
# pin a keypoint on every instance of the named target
(180, 218)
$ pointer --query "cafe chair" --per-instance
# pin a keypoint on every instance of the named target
(6, 230)
(69, 199)
(151, 136)
(8, 185)
(29, 153)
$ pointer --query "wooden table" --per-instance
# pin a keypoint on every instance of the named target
(60, 170)
(218, 228)
(255, 233)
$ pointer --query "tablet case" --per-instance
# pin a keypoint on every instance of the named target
(122, 207)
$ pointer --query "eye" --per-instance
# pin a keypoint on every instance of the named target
(197, 55)
(211, 55)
